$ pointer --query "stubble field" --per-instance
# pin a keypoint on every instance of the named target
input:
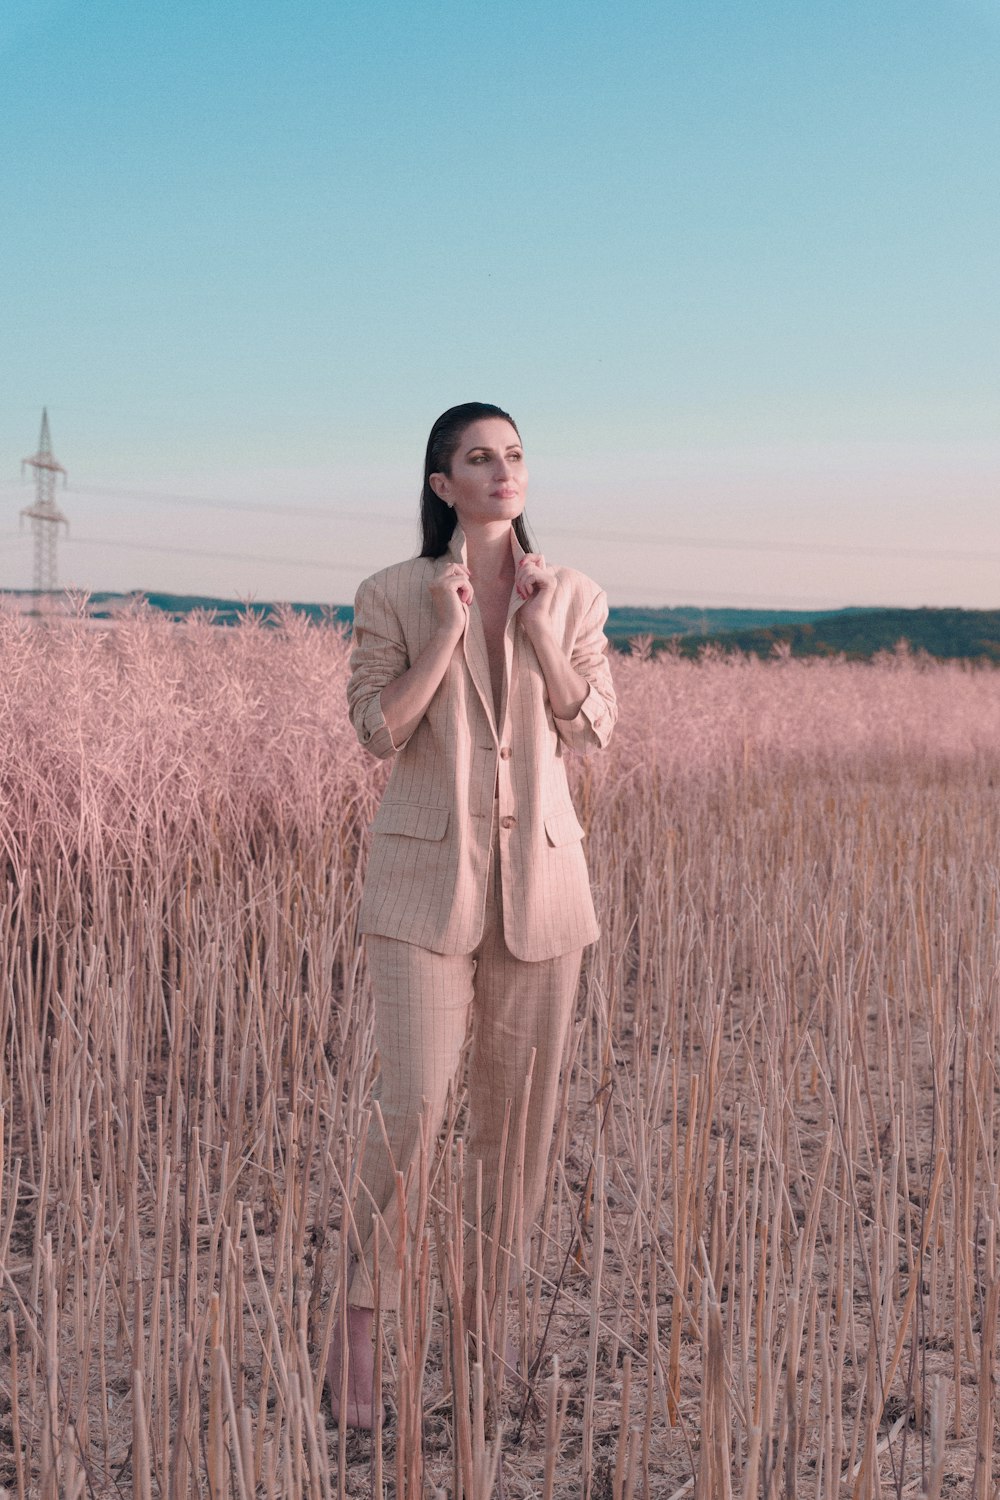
(768, 1262)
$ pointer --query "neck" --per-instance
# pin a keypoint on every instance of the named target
(488, 551)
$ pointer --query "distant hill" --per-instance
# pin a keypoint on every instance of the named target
(107, 606)
(857, 633)
(691, 620)
(622, 625)
(229, 611)
(949, 634)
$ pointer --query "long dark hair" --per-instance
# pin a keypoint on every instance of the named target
(438, 520)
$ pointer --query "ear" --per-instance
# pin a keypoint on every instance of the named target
(439, 484)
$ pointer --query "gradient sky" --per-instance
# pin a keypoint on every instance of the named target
(733, 267)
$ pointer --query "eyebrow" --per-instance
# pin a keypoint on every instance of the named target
(485, 448)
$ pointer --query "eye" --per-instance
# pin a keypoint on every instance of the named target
(515, 457)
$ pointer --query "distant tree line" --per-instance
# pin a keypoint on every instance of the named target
(947, 634)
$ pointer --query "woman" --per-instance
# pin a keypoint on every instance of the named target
(475, 666)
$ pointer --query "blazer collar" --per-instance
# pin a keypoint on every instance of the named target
(458, 547)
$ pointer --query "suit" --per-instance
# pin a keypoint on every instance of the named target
(476, 903)
(429, 864)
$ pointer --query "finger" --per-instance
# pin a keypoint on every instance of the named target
(450, 579)
(534, 580)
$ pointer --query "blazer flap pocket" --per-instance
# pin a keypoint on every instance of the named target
(563, 827)
(410, 819)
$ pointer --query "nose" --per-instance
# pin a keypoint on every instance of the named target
(504, 467)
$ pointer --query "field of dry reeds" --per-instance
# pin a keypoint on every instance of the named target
(768, 1262)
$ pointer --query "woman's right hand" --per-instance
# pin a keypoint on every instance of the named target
(451, 595)
(405, 699)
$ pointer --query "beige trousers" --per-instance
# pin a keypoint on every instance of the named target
(424, 1005)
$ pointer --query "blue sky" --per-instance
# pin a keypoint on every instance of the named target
(733, 268)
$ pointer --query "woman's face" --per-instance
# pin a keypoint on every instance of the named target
(488, 478)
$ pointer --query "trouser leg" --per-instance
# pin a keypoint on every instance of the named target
(421, 1015)
(518, 1008)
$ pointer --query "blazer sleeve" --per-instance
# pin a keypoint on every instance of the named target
(378, 657)
(591, 726)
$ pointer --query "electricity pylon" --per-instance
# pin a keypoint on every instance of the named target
(46, 517)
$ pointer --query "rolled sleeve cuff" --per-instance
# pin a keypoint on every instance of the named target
(590, 727)
(374, 733)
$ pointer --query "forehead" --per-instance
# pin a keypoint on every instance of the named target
(489, 432)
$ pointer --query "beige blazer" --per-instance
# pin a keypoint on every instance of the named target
(429, 861)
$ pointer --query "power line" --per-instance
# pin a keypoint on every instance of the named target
(750, 600)
(357, 569)
(251, 557)
(746, 544)
(645, 539)
(210, 502)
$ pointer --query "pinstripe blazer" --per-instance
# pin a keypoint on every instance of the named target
(429, 861)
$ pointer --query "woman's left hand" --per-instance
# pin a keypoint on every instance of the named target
(536, 585)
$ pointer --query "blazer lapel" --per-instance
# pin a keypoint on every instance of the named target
(515, 599)
(474, 638)
(508, 638)
(478, 661)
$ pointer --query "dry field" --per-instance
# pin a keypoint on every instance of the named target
(769, 1260)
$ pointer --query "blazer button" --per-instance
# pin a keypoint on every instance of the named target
(507, 822)
(505, 752)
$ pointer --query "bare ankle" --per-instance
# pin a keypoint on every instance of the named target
(350, 1369)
